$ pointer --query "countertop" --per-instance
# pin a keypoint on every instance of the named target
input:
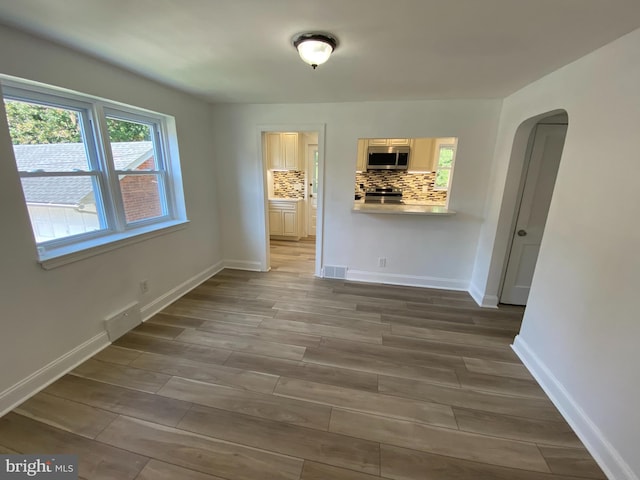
(407, 208)
(285, 199)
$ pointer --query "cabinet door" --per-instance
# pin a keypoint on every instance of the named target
(290, 151)
(274, 151)
(290, 224)
(378, 142)
(396, 142)
(422, 155)
(361, 164)
(275, 222)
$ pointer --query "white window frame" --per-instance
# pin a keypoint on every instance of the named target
(440, 144)
(116, 231)
(113, 174)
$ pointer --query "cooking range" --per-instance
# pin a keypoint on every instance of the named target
(383, 195)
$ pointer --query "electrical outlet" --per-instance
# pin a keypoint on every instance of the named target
(144, 286)
(425, 189)
(382, 262)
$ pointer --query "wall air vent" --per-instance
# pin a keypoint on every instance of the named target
(121, 322)
(332, 271)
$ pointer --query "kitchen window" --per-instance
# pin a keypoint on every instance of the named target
(92, 173)
(444, 169)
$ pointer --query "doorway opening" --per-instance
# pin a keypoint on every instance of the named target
(537, 181)
(292, 168)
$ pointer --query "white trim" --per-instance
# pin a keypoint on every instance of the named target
(92, 113)
(485, 301)
(320, 128)
(160, 303)
(79, 251)
(499, 235)
(244, 265)
(37, 381)
(594, 440)
(407, 280)
(309, 202)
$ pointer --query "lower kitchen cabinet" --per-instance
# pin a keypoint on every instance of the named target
(285, 219)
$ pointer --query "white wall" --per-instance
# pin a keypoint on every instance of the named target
(46, 314)
(419, 249)
(581, 329)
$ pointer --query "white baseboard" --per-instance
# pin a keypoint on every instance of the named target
(594, 440)
(160, 303)
(406, 280)
(18, 393)
(485, 301)
(243, 265)
(48, 374)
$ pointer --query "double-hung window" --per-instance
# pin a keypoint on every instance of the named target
(446, 152)
(92, 172)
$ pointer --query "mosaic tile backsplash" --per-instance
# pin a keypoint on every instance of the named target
(288, 184)
(411, 184)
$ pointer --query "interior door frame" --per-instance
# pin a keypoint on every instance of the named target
(310, 147)
(265, 260)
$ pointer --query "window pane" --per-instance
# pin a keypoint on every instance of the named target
(446, 157)
(141, 196)
(46, 139)
(60, 207)
(131, 145)
(442, 178)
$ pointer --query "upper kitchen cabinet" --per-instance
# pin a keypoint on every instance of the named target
(361, 164)
(283, 151)
(390, 142)
(422, 157)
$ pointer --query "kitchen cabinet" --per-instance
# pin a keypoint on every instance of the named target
(284, 151)
(378, 142)
(389, 142)
(422, 157)
(285, 218)
(361, 164)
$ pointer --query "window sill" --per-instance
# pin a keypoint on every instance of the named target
(79, 251)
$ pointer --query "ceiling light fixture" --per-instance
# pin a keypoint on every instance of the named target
(315, 48)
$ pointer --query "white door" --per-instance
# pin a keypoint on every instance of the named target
(312, 169)
(532, 216)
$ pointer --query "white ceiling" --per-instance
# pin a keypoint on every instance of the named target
(240, 50)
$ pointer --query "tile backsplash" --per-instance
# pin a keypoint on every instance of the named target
(412, 184)
(288, 183)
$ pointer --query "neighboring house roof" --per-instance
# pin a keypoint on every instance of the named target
(69, 157)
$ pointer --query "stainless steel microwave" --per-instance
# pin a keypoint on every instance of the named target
(388, 158)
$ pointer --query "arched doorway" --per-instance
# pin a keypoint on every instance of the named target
(536, 183)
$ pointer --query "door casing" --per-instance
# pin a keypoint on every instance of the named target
(265, 260)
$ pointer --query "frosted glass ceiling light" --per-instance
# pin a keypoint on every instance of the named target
(315, 48)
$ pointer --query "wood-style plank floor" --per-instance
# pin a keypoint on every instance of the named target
(281, 375)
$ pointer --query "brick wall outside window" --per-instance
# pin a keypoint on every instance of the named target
(140, 194)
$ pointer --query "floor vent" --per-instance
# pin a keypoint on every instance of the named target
(331, 271)
(121, 322)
